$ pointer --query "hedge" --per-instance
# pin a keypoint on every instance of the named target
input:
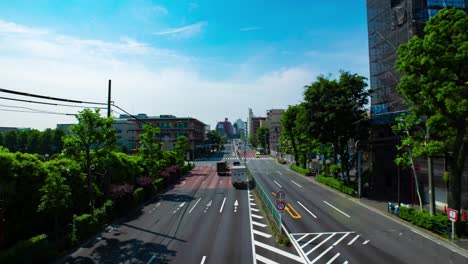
(36, 249)
(298, 169)
(437, 223)
(335, 183)
(138, 195)
(86, 225)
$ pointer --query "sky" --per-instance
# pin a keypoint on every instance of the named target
(204, 59)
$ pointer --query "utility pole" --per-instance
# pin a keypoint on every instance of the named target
(358, 168)
(109, 100)
(432, 210)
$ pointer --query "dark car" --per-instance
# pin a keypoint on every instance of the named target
(236, 163)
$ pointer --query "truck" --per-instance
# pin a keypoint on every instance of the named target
(222, 168)
(239, 177)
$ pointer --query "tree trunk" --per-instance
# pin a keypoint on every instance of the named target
(296, 155)
(457, 163)
(88, 169)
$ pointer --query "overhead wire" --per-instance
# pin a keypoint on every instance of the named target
(49, 97)
(36, 112)
(45, 103)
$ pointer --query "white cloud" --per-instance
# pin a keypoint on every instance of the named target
(9, 27)
(70, 67)
(184, 32)
(250, 28)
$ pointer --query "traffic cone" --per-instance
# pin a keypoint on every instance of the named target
(445, 209)
(463, 215)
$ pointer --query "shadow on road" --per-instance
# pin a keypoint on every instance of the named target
(176, 197)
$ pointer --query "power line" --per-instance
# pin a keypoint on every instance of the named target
(32, 109)
(44, 103)
(36, 112)
(134, 117)
(48, 97)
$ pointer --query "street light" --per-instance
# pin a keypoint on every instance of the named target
(46, 156)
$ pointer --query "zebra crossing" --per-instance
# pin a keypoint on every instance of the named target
(232, 158)
(319, 247)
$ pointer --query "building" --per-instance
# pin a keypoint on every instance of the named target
(391, 23)
(257, 122)
(250, 123)
(273, 122)
(224, 128)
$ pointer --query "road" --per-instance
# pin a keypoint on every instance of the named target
(331, 228)
(202, 219)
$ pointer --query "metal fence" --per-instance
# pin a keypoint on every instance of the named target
(268, 203)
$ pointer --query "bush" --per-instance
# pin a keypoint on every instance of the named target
(159, 184)
(84, 226)
(298, 169)
(336, 184)
(438, 223)
(335, 169)
(138, 195)
(36, 248)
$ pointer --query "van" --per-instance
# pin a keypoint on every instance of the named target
(239, 176)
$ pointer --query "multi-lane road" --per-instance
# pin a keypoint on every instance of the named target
(203, 219)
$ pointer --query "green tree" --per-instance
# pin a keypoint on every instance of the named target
(263, 137)
(150, 149)
(252, 141)
(46, 142)
(57, 144)
(181, 148)
(55, 197)
(92, 139)
(2, 142)
(214, 139)
(34, 141)
(288, 123)
(23, 144)
(11, 140)
(435, 84)
(334, 110)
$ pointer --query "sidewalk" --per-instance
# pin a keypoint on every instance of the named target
(382, 207)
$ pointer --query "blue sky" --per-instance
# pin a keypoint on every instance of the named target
(206, 59)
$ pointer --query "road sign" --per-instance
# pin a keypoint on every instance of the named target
(280, 206)
(453, 215)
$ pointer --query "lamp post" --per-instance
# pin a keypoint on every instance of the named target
(46, 156)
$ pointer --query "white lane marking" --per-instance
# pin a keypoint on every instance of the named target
(320, 233)
(306, 209)
(346, 262)
(257, 216)
(251, 233)
(321, 255)
(251, 199)
(199, 199)
(296, 183)
(261, 234)
(203, 260)
(182, 205)
(221, 209)
(365, 242)
(277, 183)
(258, 224)
(265, 260)
(151, 259)
(339, 240)
(253, 203)
(336, 208)
(354, 239)
(279, 172)
(302, 237)
(321, 243)
(157, 205)
(235, 206)
(279, 251)
(332, 259)
(183, 183)
(203, 182)
(255, 209)
(310, 241)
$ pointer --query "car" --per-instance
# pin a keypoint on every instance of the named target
(257, 154)
(236, 163)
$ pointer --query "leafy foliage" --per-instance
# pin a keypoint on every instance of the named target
(336, 184)
(263, 138)
(37, 247)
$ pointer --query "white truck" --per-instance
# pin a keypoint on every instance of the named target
(239, 176)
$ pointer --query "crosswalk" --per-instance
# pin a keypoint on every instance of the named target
(321, 247)
(232, 158)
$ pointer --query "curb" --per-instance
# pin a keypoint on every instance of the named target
(420, 231)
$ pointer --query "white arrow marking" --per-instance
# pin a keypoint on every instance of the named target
(209, 203)
(182, 204)
(236, 203)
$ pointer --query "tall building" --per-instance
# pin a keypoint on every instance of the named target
(250, 122)
(391, 23)
(273, 122)
(224, 128)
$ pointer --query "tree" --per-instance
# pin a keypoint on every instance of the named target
(181, 147)
(92, 139)
(288, 123)
(2, 139)
(435, 84)
(334, 109)
(11, 140)
(23, 141)
(55, 196)
(150, 149)
(263, 137)
(58, 140)
(46, 142)
(214, 139)
(252, 141)
(34, 141)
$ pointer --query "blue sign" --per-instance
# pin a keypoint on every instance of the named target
(379, 109)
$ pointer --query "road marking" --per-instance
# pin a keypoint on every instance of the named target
(321, 243)
(279, 251)
(251, 233)
(261, 234)
(310, 241)
(339, 240)
(258, 224)
(208, 205)
(301, 237)
(277, 184)
(306, 209)
(182, 204)
(365, 242)
(321, 255)
(235, 206)
(296, 183)
(251, 199)
(289, 208)
(336, 209)
(346, 262)
(220, 210)
(265, 260)
(203, 182)
(183, 183)
(157, 205)
(332, 259)
(255, 209)
(253, 204)
(151, 259)
(279, 172)
(257, 216)
(203, 260)
(354, 239)
(194, 205)
(221, 182)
